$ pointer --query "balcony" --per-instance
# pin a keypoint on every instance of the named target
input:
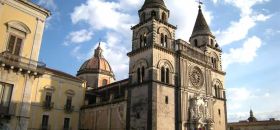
(21, 63)
(7, 111)
(68, 108)
(48, 105)
(65, 128)
(45, 127)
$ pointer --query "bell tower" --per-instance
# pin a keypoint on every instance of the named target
(152, 69)
(203, 39)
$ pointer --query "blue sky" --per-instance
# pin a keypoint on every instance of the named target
(247, 30)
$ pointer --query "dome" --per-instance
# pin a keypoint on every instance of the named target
(96, 64)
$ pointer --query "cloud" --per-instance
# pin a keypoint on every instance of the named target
(114, 18)
(248, 98)
(78, 37)
(183, 13)
(238, 30)
(50, 4)
(101, 14)
(245, 54)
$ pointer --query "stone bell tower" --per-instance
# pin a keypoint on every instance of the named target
(151, 70)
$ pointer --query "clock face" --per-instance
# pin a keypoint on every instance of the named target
(196, 77)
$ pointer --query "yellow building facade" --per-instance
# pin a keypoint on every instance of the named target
(56, 101)
(32, 96)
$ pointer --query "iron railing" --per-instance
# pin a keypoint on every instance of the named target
(21, 62)
(68, 108)
(48, 105)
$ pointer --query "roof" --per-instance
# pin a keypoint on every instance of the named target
(36, 7)
(60, 73)
(96, 64)
(153, 4)
(201, 27)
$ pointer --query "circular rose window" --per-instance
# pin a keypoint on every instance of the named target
(196, 77)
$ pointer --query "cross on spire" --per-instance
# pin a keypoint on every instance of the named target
(199, 3)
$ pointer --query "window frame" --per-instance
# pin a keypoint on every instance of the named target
(15, 43)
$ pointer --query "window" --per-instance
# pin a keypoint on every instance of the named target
(219, 112)
(104, 82)
(212, 42)
(69, 102)
(66, 125)
(138, 75)
(195, 43)
(214, 62)
(165, 41)
(14, 44)
(153, 13)
(166, 99)
(163, 17)
(48, 104)
(145, 40)
(162, 74)
(5, 97)
(167, 75)
(45, 122)
(48, 97)
(143, 17)
(162, 39)
(143, 73)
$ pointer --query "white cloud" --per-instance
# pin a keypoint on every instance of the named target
(116, 17)
(78, 36)
(102, 14)
(50, 4)
(242, 99)
(238, 30)
(183, 13)
(245, 54)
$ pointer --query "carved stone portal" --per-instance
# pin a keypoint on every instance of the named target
(200, 117)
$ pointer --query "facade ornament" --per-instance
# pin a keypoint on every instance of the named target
(199, 113)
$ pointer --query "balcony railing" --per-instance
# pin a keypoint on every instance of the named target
(45, 127)
(68, 108)
(8, 111)
(48, 105)
(21, 62)
(65, 128)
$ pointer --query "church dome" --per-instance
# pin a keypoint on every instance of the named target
(96, 64)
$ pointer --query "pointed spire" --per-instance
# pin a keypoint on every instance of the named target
(252, 118)
(153, 4)
(201, 27)
(98, 51)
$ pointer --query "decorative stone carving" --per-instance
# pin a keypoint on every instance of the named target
(196, 77)
(199, 113)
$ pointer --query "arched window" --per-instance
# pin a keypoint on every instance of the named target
(143, 17)
(165, 41)
(167, 75)
(145, 40)
(163, 17)
(141, 41)
(162, 74)
(153, 13)
(162, 39)
(104, 82)
(212, 42)
(216, 91)
(143, 73)
(138, 75)
(195, 43)
(214, 62)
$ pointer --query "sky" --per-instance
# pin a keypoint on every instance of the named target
(247, 30)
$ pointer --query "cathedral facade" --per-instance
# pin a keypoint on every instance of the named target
(172, 85)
